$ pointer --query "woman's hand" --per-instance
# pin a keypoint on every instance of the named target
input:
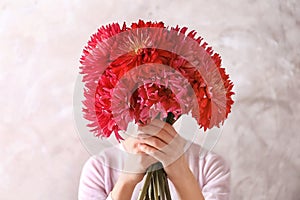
(136, 162)
(161, 141)
(134, 170)
(157, 141)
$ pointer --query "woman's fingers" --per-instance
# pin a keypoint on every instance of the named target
(161, 135)
(154, 142)
(165, 156)
(157, 125)
(159, 129)
(153, 152)
(158, 136)
(164, 152)
(165, 126)
(138, 163)
(161, 141)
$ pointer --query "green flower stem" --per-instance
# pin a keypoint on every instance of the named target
(162, 190)
(156, 185)
(146, 186)
(167, 190)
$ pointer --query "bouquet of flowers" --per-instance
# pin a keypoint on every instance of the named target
(147, 70)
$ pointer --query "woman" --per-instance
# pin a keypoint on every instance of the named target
(191, 177)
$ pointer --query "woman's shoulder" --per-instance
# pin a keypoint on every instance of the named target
(111, 157)
(207, 158)
(210, 168)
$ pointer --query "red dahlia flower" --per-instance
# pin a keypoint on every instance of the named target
(147, 70)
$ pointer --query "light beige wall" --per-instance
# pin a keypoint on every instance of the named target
(40, 45)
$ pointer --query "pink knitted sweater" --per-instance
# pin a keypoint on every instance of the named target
(100, 174)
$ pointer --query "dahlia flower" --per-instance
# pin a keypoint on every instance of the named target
(147, 70)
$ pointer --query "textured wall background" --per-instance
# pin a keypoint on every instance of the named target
(40, 45)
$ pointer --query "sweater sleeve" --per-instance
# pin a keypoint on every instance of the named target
(216, 178)
(92, 181)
